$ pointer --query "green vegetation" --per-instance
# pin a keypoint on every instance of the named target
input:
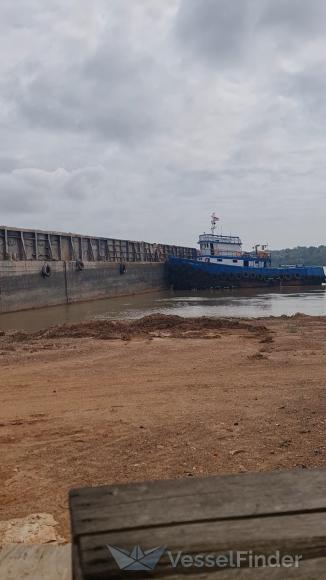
(311, 256)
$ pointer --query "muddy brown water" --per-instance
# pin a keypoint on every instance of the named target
(248, 303)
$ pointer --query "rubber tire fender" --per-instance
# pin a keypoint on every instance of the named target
(46, 271)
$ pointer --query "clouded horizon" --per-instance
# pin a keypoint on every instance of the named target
(138, 118)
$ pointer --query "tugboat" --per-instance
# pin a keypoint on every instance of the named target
(221, 263)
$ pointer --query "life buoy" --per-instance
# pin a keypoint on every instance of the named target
(238, 276)
(80, 265)
(46, 271)
(252, 275)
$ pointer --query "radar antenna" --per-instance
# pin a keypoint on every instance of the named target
(214, 220)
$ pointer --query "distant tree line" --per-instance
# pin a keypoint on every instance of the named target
(310, 256)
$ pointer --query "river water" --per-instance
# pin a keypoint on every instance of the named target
(251, 303)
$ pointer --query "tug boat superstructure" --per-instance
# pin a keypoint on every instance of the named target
(221, 263)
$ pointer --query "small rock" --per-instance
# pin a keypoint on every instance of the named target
(242, 469)
(285, 443)
(39, 528)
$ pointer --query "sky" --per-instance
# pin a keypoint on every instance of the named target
(137, 119)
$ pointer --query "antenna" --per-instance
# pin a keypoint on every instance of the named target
(214, 220)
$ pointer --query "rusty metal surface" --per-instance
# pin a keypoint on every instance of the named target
(18, 244)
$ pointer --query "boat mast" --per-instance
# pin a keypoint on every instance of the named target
(214, 220)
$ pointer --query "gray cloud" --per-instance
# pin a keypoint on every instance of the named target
(105, 96)
(137, 119)
(298, 17)
(306, 87)
(217, 29)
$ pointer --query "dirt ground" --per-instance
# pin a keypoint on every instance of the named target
(103, 402)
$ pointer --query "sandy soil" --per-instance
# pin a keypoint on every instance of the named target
(100, 402)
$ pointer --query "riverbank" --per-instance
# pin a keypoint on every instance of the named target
(161, 397)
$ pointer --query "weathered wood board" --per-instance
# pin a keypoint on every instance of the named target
(257, 513)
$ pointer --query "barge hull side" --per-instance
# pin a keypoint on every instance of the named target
(22, 285)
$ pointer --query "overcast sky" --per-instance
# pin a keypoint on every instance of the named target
(138, 118)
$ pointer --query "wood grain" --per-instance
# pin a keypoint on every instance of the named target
(259, 513)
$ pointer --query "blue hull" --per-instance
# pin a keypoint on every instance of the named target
(187, 274)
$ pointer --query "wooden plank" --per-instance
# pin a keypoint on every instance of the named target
(35, 562)
(300, 534)
(308, 570)
(260, 513)
(214, 498)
